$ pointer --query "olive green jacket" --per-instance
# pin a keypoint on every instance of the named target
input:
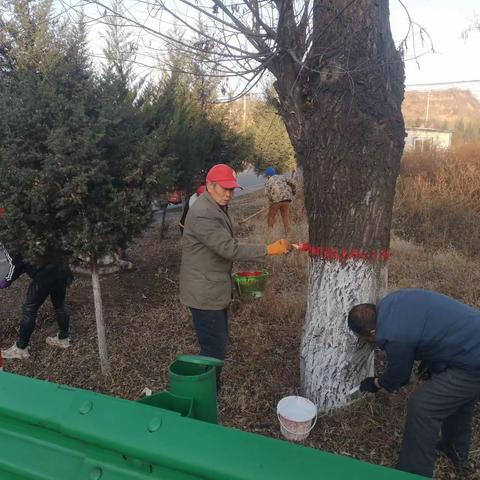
(208, 251)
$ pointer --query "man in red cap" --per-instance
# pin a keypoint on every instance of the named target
(209, 249)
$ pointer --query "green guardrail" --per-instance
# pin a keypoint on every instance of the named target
(54, 432)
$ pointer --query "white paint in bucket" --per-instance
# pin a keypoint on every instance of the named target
(297, 417)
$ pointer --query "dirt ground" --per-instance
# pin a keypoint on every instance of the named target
(147, 327)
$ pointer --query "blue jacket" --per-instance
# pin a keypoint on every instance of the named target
(424, 325)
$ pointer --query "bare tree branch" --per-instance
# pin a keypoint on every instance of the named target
(249, 34)
(253, 6)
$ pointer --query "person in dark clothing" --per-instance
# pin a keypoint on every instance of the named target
(189, 201)
(52, 279)
(444, 334)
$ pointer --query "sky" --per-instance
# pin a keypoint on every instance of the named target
(454, 58)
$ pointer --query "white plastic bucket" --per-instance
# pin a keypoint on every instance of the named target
(297, 417)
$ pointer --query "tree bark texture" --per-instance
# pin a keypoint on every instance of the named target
(101, 337)
(342, 108)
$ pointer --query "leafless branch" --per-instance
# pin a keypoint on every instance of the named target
(243, 38)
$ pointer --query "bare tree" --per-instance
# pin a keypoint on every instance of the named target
(340, 82)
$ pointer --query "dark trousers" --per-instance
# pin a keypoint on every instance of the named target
(211, 327)
(444, 404)
(38, 291)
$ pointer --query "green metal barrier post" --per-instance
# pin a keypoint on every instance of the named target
(194, 376)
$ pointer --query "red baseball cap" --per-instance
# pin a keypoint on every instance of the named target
(224, 175)
(200, 189)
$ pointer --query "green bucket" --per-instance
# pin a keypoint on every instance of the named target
(250, 284)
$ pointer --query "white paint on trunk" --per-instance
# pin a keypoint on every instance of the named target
(101, 337)
(368, 197)
(332, 359)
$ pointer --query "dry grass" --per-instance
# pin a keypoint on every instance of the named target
(438, 199)
(446, 271)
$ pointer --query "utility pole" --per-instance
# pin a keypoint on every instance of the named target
(428, 108)
(244, 112)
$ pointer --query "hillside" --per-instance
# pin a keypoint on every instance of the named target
(446, 108)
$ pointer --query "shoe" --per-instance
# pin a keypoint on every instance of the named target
(15, 352)
(464, 469)
(58, 342)
(448, 452)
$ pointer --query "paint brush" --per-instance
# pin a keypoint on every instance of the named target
(354, 394)
(301, 246)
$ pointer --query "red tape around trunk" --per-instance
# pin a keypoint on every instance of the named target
(331, 253)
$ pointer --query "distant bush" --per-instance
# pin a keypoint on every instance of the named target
(423, 164)
(438, 198)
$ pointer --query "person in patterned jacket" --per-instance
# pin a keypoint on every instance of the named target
(280, 193)
(51, 279)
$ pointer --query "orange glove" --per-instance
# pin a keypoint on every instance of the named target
(279, 247)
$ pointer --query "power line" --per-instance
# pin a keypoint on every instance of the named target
(441, 83)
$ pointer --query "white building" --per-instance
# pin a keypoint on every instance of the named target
(426, 139)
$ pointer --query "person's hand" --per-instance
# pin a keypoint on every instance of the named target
(4, 283)
(423, 371)
(279, 247)
(369, 385)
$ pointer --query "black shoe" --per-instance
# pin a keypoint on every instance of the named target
(448, 452)
(464, 469)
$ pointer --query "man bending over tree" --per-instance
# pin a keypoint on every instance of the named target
(444, 334)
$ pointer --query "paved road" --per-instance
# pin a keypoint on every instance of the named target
(250, 182)
(248, 179)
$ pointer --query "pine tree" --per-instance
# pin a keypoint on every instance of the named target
(117, 200)
(194, 135)
(272, 144)
(71, 179)
(46, 131)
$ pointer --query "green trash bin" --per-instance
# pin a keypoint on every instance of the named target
(171, 402)
(194, 376)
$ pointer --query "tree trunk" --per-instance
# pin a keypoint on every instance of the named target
(162, 226)
(342, 109)
(332, 360)
(101, 337)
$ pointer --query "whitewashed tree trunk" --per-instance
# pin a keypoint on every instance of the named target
(333, 360)
(101, 337)
(343, 114)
